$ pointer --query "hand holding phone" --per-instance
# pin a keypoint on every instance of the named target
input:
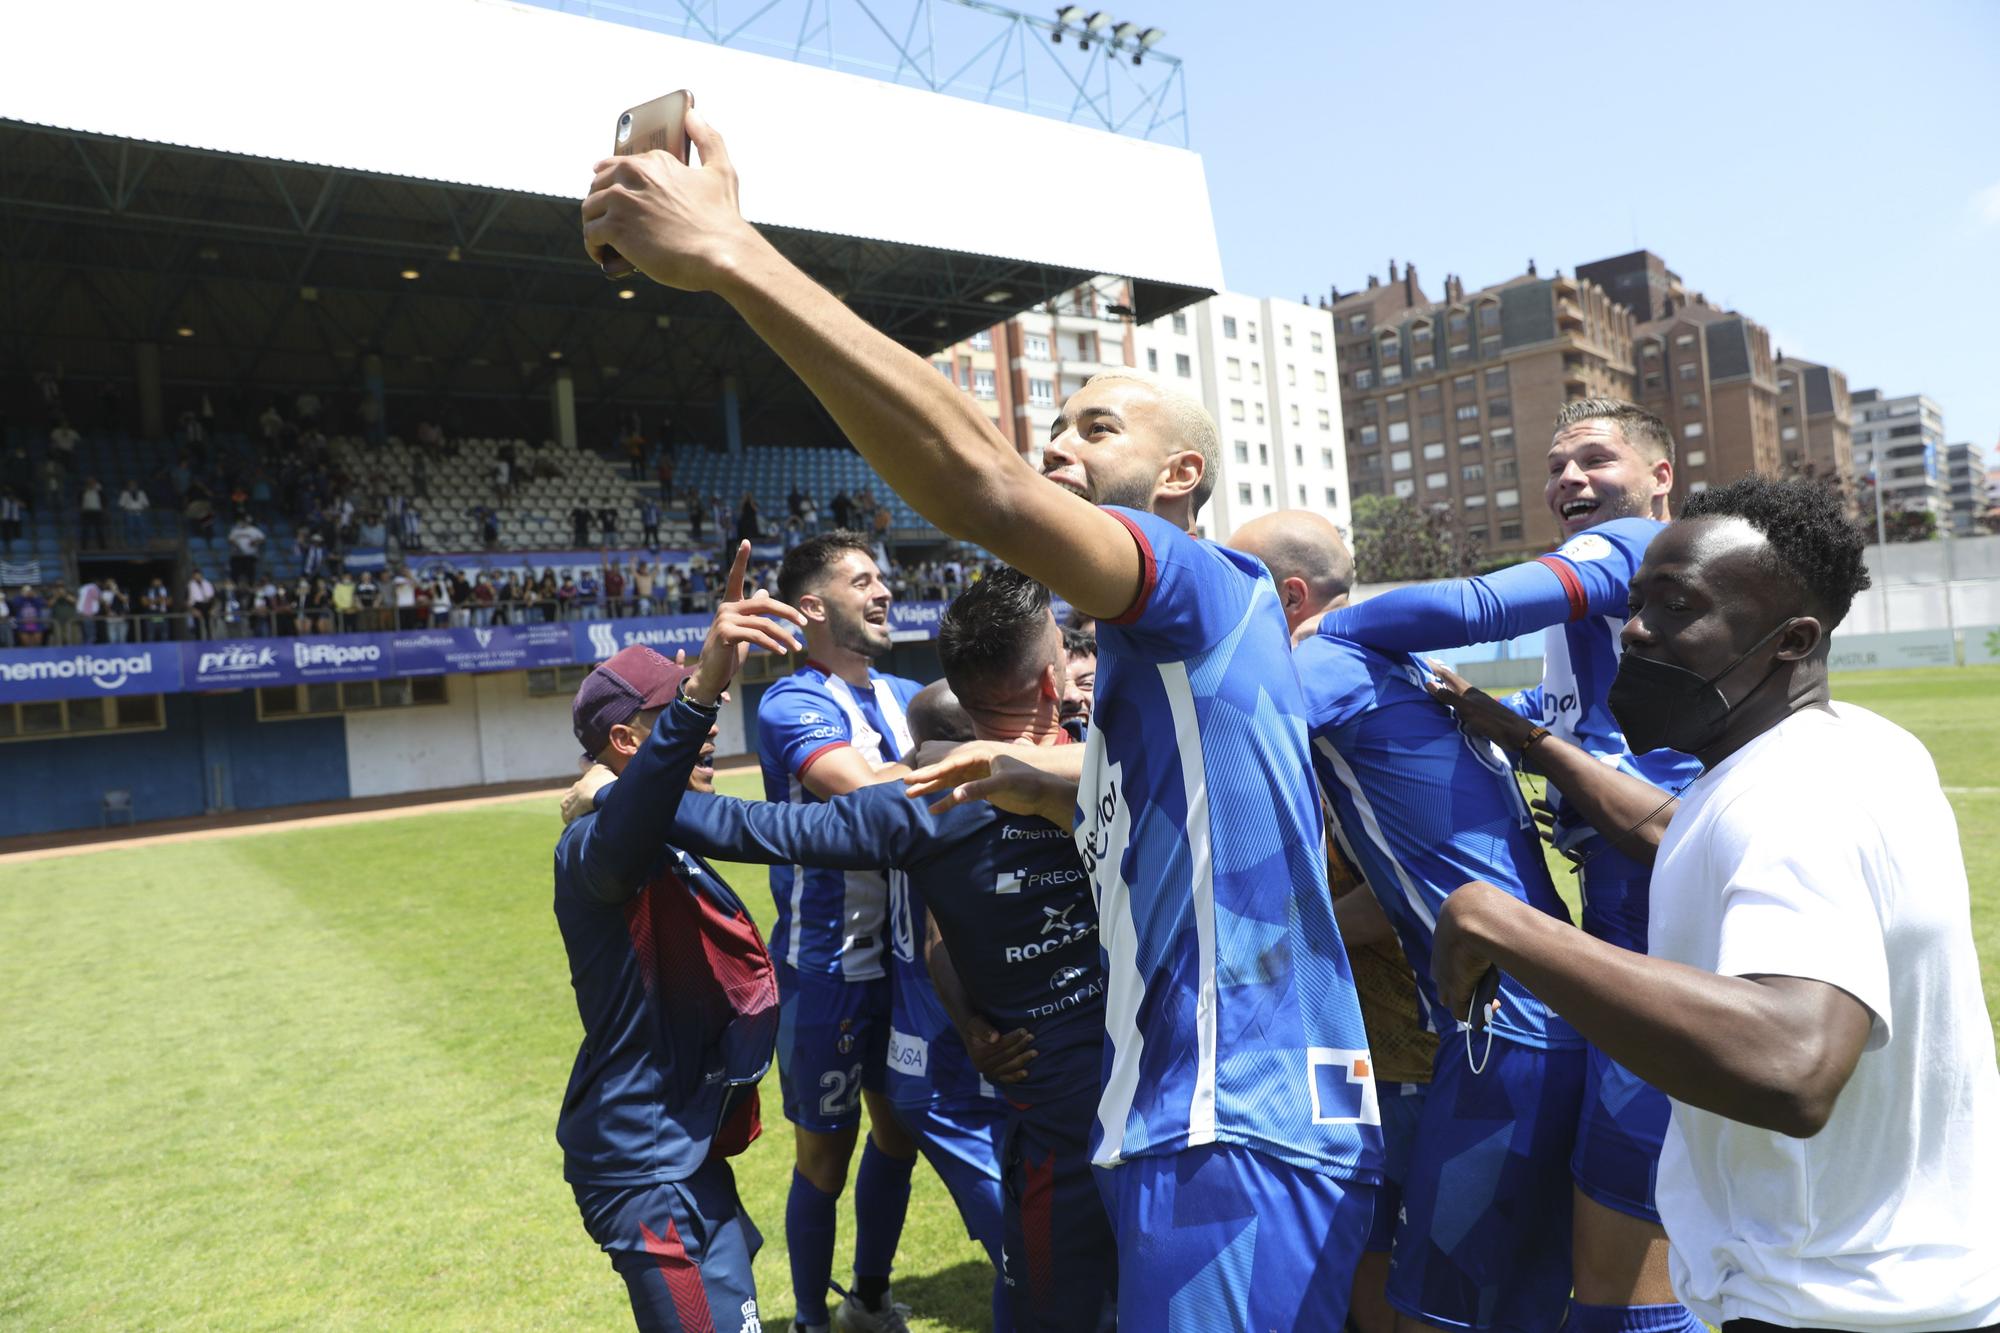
(658, 125)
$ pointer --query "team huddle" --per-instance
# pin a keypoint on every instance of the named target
(1106, 990)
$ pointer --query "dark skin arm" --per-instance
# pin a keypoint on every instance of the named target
(1000, 1057)
(1630, 812)
(1773, 1052)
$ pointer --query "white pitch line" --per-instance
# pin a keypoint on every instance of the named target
(1972, 791)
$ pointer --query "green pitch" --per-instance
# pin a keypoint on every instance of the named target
(309, 1079)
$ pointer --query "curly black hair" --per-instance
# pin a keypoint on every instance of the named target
(1079, 643)
(990, 631)
(1814, 545)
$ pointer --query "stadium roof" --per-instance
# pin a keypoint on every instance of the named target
(263, 173)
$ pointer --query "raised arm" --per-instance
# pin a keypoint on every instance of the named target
(681, 225)
(616, 851)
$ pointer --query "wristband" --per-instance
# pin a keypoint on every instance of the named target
(1535, 737)
(683, 696)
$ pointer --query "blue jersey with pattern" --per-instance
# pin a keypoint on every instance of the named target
(1423, 808)
(1231, 1015)
(829, 921)
(1012, 903)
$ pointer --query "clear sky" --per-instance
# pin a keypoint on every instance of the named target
(1831, 170)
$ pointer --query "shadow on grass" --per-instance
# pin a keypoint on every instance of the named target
(958, 1299)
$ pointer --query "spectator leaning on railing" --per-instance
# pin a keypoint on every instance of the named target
(133, 503)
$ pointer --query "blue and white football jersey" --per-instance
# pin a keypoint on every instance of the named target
(1580, 659)
(829, 921)
(1231, 1016)
(1423, 808)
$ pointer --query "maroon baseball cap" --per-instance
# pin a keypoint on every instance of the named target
(633, 680)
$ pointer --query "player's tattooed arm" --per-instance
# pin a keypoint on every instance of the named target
(1001, 1057)
(1629, 811)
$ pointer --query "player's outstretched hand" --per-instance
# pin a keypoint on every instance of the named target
(581, 798)
(1482, 714)
(1458, 964)
(678, 224)
(1020, 779)
(1002, 1057)
(740, 624)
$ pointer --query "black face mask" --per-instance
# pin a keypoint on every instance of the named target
(1660, 706)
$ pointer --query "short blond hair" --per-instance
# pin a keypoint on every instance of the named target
(1193, 427)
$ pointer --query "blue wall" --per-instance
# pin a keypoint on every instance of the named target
(47, 786)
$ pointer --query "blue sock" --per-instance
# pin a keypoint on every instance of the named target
(881, 1197)
(1003, 1309)
(1674, 1318)
(809, 1226)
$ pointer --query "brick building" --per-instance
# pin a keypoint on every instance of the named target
(1815, 421)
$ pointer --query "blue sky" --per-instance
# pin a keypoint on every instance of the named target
(1831, 170)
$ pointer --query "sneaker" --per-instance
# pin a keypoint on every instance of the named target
(854, 1317)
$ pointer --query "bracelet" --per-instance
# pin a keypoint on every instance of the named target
(683, 695)
(1535, 737)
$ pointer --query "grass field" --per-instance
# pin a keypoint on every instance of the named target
(308, 1079)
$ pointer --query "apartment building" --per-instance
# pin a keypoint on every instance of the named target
(1451, 401)
(1264, 368)
(1965, 489)
(1815, 421)
(1899, 446)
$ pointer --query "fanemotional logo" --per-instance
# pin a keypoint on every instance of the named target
(334, 654)
(106, 673)
(236, 657)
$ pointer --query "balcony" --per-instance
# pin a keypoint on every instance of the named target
(1568, 316)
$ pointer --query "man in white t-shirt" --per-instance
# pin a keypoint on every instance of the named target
(1812, 1001)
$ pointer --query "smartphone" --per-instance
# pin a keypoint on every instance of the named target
(660, 124)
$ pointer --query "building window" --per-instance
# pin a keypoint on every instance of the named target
(1474, 502)
(982, 384)
(1229, 326)
(1436, 481)
(1299, 454)
(1364, 379)
(1399, 432)
(1319, 380)
(1468, 412)
(1499, 407)
(1461, 352)
(1789, 433)
(1357, 323)
(1242, 451)
(1399, 461)
(1288, 335)
(1489, 317)
(981, 341)
(1243, 492)
(1369, 435)
(1457, 325)
(1425, 363)
(1325, 419)
(1505, 469)
(1489, 348)
(1264, 454)
(1037, 348)
(1684, 340)
(1433, 452)
(1784, 385)
(1302, 490)
(1430, 423)
(1180, 322)
(1473, 474)
(1318, 345)
(1503, 438)
(1692, 399)
(1697, 457)
(1182, 366)
(1687, 370)
(54, 718)
(1293, 412)
(1041, 393)
(1233, 368)
(1332, 498)
(1496, 380)
(1236, 409)
(1403, 490)
(944, 368)
(1397, 401)
(1291, 373)
(282, 702)
(1464, 386)
(1326, 458)
(1510, 532)
(1153, 359)
(1697, 487)
(1468, 441)
(1510, 499)
(1256, 372)
(1086, 347)
(1652, 383)
(546, 682)
(1427, 395)
(1691, 431)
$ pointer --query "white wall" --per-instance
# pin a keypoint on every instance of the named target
(490, 731)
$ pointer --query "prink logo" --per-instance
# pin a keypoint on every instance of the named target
(603, 640)
(236, 657)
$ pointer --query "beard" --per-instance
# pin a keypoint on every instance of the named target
(855, 636)
(1126, 493)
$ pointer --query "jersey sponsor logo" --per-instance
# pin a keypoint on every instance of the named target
(908, 1055)
(1013, 881)
(1009, 833)
(1342, 1083)
(822, 733)
(811, 719)
(1065, 977)
(1589, 546)
(1106, 830)
(1072, 1000)
(1055, 923)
